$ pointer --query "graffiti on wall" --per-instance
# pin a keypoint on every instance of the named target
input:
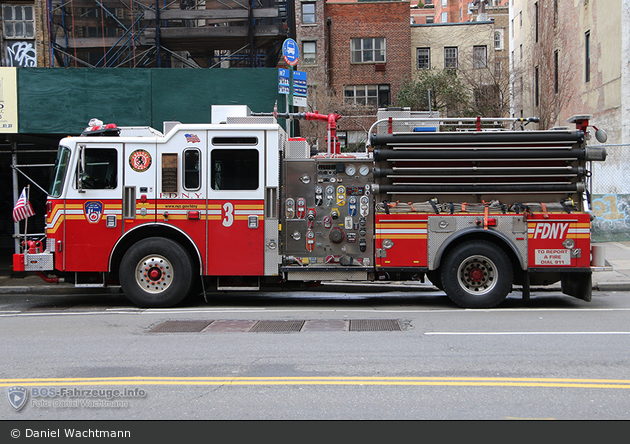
(612, 217)
(21, 54)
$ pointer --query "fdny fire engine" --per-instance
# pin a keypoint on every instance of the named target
(476, 206)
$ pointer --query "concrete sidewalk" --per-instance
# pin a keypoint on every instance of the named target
(614, 277)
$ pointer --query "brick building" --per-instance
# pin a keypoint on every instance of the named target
(24, 36)
(362, 52)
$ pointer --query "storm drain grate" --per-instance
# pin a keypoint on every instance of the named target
(374, 325)
(277, 326)
(180, 327)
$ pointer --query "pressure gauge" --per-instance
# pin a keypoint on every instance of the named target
(351, 170)
(364, 170)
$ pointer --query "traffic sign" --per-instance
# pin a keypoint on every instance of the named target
(284, 85)
(290, 52)
(299, 83)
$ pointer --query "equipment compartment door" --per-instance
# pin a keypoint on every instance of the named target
(236, 173)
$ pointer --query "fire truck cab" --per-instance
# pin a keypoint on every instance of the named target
(236, 203)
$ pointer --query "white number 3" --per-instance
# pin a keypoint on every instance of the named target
(228, 219)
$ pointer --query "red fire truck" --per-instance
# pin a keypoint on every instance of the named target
(477, 206)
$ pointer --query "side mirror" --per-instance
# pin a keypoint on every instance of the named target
(81, 169)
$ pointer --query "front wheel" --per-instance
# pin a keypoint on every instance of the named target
(477, 274)
(156, 272)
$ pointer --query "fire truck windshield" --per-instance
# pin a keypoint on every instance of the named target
(59, 175)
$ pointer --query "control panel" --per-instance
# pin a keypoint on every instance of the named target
(327, 210)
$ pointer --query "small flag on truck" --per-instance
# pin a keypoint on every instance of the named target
(22, 208)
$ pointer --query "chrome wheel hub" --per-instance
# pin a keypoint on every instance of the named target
(154, 273)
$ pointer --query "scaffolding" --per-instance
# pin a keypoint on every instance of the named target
(165, 34)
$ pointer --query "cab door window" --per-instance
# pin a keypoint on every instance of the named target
(101, 169)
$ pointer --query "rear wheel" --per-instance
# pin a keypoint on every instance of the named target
(156, 272)
(477, 274)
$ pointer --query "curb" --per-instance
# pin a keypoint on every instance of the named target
(71, 290)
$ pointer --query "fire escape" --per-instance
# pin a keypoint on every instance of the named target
(175, 34)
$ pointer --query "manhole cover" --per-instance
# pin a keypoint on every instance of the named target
(180, 327)
(227, 326)
(277, 326)
(374, 325)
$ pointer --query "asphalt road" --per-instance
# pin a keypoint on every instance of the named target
(317, 355)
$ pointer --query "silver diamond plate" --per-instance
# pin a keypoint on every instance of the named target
(39, 262)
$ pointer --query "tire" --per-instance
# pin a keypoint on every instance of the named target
(435, 278)
(477, 274)
(156, 272)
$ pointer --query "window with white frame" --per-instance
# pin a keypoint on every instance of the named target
(360, 95)
(480, 56)
(371, 50)
(450, 57)
(444, 18)
(18, 21)
(498, 39)
(308, 13)
(367, 95)
(309, 53)
(424, 58)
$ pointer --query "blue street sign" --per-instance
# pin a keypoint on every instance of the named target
(284, 85)
(299, 83)
(290, 52)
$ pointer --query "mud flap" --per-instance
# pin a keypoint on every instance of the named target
(579, 285)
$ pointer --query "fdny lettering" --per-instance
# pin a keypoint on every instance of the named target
(197, 195)
(551, 230)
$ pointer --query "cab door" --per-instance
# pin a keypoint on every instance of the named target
(236, 203)
(93, 207)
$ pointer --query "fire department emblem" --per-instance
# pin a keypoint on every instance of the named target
(93, 211)
(140, 160)
(17, 397)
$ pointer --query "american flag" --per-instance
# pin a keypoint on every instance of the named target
(22, 208)
(192, 138)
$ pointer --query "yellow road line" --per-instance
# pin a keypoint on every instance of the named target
(327, 380)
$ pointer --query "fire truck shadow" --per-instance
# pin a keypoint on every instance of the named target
(344, 297)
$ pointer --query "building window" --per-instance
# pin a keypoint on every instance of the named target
(444, 17)
(498, 40)
(18, 21)
(368, 50)
(361, 95)
(480, 56)
(367, 95)
(450, 57)
(309, 53)
(444, 3)
(308, 13)
(587, 55)
(424, 58)
(430, 19)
